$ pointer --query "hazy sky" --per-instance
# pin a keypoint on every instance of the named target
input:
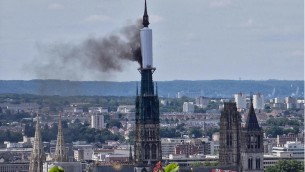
(193, 39)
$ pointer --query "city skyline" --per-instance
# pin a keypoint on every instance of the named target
(211, 39)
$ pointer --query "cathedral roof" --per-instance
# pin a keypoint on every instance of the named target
(251, 123)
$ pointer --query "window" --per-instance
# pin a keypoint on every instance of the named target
(147, 149)
(154, 151)
(258, 163)
(258, 141)
(250, 163)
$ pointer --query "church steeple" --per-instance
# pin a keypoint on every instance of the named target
(252, 147)
(60, 150)
(251, 123)
(37, 156)
(147, 147)
(145, 16)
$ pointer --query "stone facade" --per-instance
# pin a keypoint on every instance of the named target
(240, 147)
(229, 142)
(252, 147)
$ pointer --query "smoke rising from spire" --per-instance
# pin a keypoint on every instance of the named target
(96, 56)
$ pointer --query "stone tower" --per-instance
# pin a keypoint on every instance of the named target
(252, 149)
(147, 146)
(60, 150)
(37, 156)
(229, 142)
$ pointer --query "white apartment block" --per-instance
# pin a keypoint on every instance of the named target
(126, 108)
(258, 101)
(98, 110)
(289, 150)
(240, 100)
(168, 145)
(188, 107)
(97, 121)
(202, 102)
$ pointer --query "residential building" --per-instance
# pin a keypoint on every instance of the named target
(258, 101)
(188, 107)
(97, 121)
(202, 102)
(290, 149)
(240, 100)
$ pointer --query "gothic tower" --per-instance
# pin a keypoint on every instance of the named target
(229, 142)
(60, 150)
(147, 147)
(37, 156)
(252, 149)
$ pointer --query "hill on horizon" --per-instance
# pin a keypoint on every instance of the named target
(207, 88)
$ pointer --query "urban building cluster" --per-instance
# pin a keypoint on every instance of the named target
(229, 134)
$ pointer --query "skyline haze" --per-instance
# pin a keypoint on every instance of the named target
(192, 40)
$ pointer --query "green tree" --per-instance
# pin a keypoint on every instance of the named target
(114, 123)
(195, 132)
(169, 133)
(274, 131)
(29, 130)
(287, 166)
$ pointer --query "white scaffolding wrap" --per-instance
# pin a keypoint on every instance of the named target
(146, 47)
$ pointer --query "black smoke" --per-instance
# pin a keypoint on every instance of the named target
(99, 55)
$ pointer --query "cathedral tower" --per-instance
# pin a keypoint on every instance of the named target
(37, 156)
(252, 149)
(60, 150)
(229, 142)
(147, 148)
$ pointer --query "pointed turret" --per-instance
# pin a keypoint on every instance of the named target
(37, 156)
(60, 150)
(145, 17)
(251, 123)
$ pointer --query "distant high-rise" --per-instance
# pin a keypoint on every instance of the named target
(147, 146)
(60, 150)
(202, 101)
(37, 156)
(229, 142)
(97, 121)
(240, 100)
(188, 107)
(252, 148)
(258, 101)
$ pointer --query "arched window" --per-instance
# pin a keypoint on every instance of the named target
(258, 163)
(250, 163)
(147, 149)
(154, 151)
(248, 142)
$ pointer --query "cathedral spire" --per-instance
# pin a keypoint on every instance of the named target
(37, 156)
(251, 123)
(60, 150)
(145, 16)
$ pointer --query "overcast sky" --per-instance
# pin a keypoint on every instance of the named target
(193, 39)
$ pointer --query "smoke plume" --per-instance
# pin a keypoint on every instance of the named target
(97, 56)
